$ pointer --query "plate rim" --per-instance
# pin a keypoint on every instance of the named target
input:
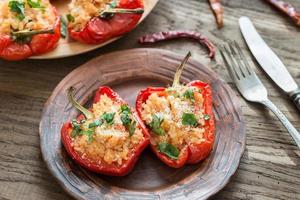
(61, 83)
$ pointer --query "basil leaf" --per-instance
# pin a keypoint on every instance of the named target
(17, 7)
(108, 117)
(63, 27)
(206, 117)
(189, 119)
(36, 4)
(156, 123)
(70, 18)
(189, 94)
(168, 150)
(132, 128)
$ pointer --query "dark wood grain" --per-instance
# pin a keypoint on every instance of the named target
(270, 165)
(128, 72)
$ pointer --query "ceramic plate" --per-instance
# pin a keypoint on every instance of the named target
(127, 72)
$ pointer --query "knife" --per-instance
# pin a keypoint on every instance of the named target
(269, 61)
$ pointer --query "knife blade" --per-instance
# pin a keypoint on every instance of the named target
(269, 61)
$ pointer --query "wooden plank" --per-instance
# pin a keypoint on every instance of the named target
(270, 165)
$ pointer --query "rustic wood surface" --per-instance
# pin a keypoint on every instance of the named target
(270, 165)
(128, 72)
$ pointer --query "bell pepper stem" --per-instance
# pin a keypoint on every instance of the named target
(109, 11)
(31, 33)
(85, 112)
(179, 69)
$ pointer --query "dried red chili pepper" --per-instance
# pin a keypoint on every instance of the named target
(104, 27)
(100, 166)
(23, 44)
(287, 9)
(218, 11)
(193, 152)
(168, 35)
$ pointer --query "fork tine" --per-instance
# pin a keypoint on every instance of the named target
(243, 57)
(233, 62)
(238, 59)
(227, 64)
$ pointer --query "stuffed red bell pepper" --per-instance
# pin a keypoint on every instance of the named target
(27, 27)
(180, 120)
(108, 138)
(95, 22)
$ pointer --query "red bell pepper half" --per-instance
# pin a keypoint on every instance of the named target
(102, 167)
(190, 153)
(40, 42)
(100, 29)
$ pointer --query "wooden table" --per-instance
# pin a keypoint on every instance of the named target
(270, 167)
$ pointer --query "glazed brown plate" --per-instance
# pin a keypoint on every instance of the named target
(127, 72)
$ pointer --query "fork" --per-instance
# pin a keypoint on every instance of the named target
(249, 85)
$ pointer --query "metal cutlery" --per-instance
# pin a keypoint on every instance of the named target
(269, 61)
(249, 85)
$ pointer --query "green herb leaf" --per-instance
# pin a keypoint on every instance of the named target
(156, 123)
(125, 108)
(169, 150)
(34, 4)
(206, 117)
(132, 128)
(70, 18)
(125, 118)
(17, 7)
(189, 119)
(96, 123)
(108, 117)
(189, 94)
(113, 4)
(76, 128)
(63, 27)
(89, 133)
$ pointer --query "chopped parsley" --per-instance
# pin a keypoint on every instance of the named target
(169, 150)
(89, 133)
(76, 128)
(125, 108)
(70, 18)
(206, 117)
(113, 4)
(155, 124)
(189, 119)
(189, 94)
(126, 119)
(96, 123)
(35, 4)
(18, 7)
(108, 117)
